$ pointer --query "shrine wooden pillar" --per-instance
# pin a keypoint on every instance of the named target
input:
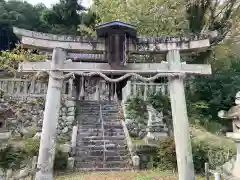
(180, 119)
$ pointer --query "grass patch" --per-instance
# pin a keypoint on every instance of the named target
(138, 141)
(130, 175)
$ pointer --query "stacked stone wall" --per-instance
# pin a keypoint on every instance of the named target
(23, 115)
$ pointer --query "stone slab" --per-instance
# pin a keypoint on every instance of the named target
(143, 68)
(235, 136)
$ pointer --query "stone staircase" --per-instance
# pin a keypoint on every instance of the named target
(101, 144)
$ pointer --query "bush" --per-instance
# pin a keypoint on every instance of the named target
(31, 148)
(214, 155)
(10, 157)
(61, 159)
(136, 111)
(147, 153)
(166, 155)
(201, 150)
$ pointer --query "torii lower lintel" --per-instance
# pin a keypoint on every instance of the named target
(141, 68)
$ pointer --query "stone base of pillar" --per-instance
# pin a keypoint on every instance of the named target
(136, 162)
(236, 169)
(44, 175)
(70, 164)
(155, 137)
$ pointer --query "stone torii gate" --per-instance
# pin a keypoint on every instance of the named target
(116, 42)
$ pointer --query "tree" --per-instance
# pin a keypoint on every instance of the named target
(64, 17)
(211, 15)
(20, 14)
(152, 17)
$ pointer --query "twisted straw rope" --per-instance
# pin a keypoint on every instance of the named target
(125, 76)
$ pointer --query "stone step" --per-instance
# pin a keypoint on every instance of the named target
(79, 106)
(83, 129)
(110, 115)
(110, 125)
(80, 153)
(101, 164)
(98, 130)
(97, 126)
(86, 113)
(114, 121)
(85, 106)
(101, 158)
(88, 109)
(90, 126)
(109, 132)
(101, 147)
(111, 118)
(106, 137)
(100, 139)
(103, 169)
(84, 134)
(112, 110)
(99, 143)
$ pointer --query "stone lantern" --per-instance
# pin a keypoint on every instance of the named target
(234, 114)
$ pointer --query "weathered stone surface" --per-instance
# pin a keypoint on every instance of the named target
(37, 136)
(71, 109)
(65, 148)
(70, 164)
(28, 112)
(65, 130)
(70, 119)
(136, 161)
(70, 103)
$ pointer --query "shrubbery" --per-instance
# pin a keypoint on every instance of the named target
(14, 157)
(137, 112)
(10, 158)
(202, 152)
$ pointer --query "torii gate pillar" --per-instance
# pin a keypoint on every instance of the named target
(50, 119)
(180, 120)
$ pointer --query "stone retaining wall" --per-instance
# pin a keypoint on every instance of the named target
(25, 115)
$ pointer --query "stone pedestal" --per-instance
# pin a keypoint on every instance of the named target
(155, 137)
(156, 130)
(236, 169)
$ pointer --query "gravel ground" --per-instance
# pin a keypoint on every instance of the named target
(141, 175)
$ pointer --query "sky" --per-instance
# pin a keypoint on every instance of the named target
(48, 3)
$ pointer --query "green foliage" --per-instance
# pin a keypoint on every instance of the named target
(15, 157)
(136, 107)
(10, 157)
(214, 155)
(63, 17)
(9, 60)
(202, 152)
(217, 92)
(199, 117)
(162, 104)
(206, 13)
(166, 156)
(60, 162)
(136, 111)
(152, 17)
(147, 154)
(21, 14)
(30, 148)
